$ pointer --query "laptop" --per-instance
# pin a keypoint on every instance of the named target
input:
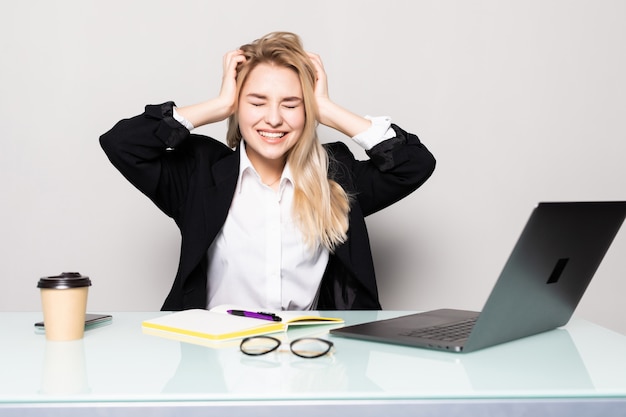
(542, 282)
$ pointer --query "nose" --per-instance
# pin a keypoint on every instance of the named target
(273, 116)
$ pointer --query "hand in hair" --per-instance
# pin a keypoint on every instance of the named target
(329, 113)
(225, 104)
(321, 84)
(228, 90)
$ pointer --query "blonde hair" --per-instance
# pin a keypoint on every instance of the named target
(321, 205)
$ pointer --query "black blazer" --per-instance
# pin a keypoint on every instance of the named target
(192, 179)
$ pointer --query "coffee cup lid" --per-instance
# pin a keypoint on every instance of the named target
(64, 281)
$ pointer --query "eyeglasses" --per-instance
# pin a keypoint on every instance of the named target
(306, 347)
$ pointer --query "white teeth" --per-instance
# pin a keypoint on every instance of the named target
(272, 134)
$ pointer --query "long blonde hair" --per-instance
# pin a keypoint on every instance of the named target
(321, 205)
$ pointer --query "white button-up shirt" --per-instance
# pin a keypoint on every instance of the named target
(259, 258)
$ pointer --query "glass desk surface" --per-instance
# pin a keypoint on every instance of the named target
(118, 363)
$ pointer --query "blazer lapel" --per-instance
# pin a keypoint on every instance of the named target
(217, 200)
(211, 212)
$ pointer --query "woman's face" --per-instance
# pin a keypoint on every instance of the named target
(271, 114)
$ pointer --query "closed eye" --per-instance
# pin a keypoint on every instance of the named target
(292, 102)
(256, 103)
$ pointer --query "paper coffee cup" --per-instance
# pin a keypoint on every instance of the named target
(64, 303)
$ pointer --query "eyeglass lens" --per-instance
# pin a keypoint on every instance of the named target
(259, 345)
(310, 347)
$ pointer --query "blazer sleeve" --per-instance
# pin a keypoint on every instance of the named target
(397, 167)
(158, 155)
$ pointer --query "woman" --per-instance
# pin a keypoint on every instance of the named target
(274, 220)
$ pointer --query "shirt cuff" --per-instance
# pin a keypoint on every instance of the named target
(379, 131)
(180, 119)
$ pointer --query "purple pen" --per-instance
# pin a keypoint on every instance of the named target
(252, 314)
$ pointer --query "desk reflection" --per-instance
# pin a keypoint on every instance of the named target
(226, 369)
(545, 362)
(64, 369)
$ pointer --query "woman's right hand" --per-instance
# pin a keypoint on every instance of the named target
(228, 91)
(225, 104)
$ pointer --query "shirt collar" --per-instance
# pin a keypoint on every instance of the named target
(246, 169)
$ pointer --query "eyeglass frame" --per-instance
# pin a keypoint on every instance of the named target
(279, 343)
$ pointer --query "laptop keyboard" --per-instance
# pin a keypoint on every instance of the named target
(446, 332)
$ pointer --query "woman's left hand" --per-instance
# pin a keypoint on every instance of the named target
(321, 83)
(329, 113)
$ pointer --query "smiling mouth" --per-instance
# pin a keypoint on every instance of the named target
(272, 135)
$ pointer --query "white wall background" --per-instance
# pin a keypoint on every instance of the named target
(520, 101)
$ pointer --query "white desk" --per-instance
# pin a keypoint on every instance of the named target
(580, 370)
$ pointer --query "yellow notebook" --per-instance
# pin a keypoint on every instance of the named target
(216, 325)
